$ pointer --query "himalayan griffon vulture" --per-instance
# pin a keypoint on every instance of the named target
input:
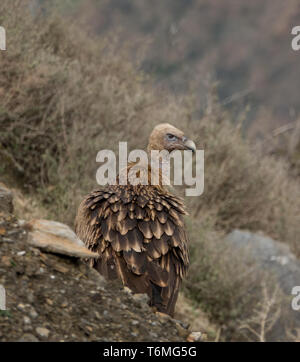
(138, 230)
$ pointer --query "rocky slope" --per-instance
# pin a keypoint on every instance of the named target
(57, 297)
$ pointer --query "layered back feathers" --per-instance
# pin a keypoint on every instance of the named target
(138, 232)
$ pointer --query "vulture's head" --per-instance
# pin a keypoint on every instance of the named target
(167, 137)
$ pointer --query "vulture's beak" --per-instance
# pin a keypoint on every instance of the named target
(189, 144)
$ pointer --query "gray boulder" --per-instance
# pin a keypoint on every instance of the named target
(276, 259)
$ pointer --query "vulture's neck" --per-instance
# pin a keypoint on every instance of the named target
(146, 172)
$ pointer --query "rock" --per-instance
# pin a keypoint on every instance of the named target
(194, 337)
(97, 277)
(141, 298)
(30, 297)
(6, 260)
(55, 228)
(271, 255)
(127, 290)
(181, 331)
(7, 240)
(33, 314)
(163, 318)
(276, 259)
(2, 298)
(57, 238)
(182, 324)
(49, 301)
(28, 337)
(43, 332)
(21, 307)
(26, 320)
(6, 200)
(62, 269)
(27, 328)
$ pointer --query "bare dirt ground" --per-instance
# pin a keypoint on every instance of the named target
(57, 298)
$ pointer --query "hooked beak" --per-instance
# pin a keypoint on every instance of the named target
(189, 145)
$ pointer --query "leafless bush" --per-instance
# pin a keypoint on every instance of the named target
(264, 316)
(227, 285)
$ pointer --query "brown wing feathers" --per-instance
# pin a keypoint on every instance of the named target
(139, 235)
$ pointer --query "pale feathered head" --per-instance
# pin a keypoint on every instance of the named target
(167, 137)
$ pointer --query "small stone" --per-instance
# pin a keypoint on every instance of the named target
(60, 268)
(30, 297)
(43, 332)
(26, 320)
(28, 337)
(21, 253)
(21, 223)
(97, 315)
(194, 337)
(127, 290)
(6, 260)
(163, 318)
(141, 298)
(181, 331)
(135, 323)
(21, 306)
(7, 240)
(13, 232)
(33, 313)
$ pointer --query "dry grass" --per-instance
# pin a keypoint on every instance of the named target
(227, 285)
(243, 189)
(65, 96)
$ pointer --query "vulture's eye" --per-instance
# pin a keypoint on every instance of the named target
(171, 137)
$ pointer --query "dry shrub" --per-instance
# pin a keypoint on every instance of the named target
(242, 189)
(64, 98)
(237, 295)
(266, 313)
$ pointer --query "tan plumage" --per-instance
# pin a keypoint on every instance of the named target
(139, 232)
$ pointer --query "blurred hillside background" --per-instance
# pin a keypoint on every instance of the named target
(79, 76)
(243, 46)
